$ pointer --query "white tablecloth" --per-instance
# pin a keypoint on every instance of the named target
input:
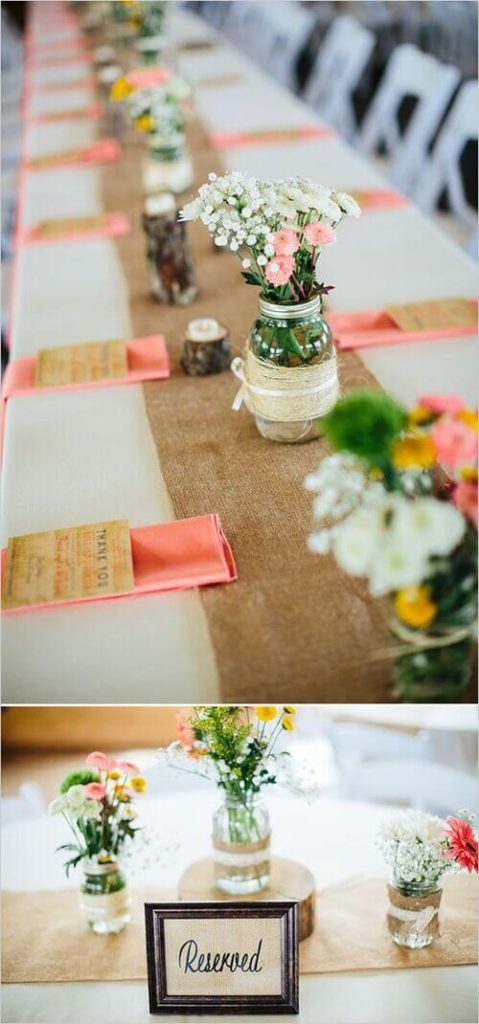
(75, 458)
(335, 839)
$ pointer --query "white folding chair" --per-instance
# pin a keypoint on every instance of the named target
(408, 73)
(30, 803)
(339, 65)
(357, 747)
(441, 170)
(288, 27)
(424, 785)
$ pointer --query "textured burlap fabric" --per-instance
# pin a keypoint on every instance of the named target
(45, 939)
(293, 626)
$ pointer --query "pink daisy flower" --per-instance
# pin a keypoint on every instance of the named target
(278, 271)
(128, 767)
(95, 791)
(465, 498)
(462, 844)
(441, 403)
(319, 234)
(455, 443)
(99, 760)
(285, 242)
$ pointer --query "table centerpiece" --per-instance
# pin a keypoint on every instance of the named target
(420, 849)
(159, 110)
(237, 747)
(279, 229)
(97, 805)
(397, 505)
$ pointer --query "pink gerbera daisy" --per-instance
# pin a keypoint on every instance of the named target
(462, 844)
(99, 760)
(95, 791)
(455, 442)
(319, 234)
(441, 403)
(285, 242)
(278, 271)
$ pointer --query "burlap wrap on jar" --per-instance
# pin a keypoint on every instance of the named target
(241, 860)
(413, 920)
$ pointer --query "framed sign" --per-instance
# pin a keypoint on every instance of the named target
(222, 957)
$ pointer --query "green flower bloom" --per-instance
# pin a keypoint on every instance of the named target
(365, 423)
(79, 778)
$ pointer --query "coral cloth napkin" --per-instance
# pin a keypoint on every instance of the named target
(377, 327)
(91, 112)
(72, 229)
(235, 140)
(147, 359)
(168, 556)
(103, 152)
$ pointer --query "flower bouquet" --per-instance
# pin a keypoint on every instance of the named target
(146, 21)
(159, 111)
(419, 849)
(390, 515)
(97, 805)
(279, 230)
(237, 748)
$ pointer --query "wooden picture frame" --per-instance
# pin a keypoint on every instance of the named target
(193, 963)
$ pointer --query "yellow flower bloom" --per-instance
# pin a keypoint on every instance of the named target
(121, 795)
(266, 712)
(469, 473)
(420, 415)
(290, 710)
(288, 723)
(469, 417)
(413, 606)
(144, 123)
(138, 783)
(415, 450)
(114, 775)
(120, 89)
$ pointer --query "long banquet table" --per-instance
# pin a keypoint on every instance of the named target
(89, 456)
(335, 839)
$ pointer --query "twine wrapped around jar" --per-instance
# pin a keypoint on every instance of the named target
(413, 914)
(233, 860)
(285, 393)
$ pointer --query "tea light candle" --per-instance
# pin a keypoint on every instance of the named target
(207, 348)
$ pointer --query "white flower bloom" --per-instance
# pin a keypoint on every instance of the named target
(221, 240)
(262, 260)
(191, 211)
(355, 543)
(246, 264)
(269, 250)
(57, 805)
(347, 203)
(435, 527)
(320, 543)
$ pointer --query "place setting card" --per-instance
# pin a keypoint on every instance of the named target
(72, 229)
(412, 321)
(101, 152)
(106, 560)
(92, 364)
(269, 136)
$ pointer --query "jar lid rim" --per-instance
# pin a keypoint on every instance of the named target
(289, 310)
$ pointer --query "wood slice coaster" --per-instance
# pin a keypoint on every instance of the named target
(289, 881)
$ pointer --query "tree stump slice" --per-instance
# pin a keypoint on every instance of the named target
(288, 881)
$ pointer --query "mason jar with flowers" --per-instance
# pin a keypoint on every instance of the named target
(397, 505)
(239, 748)
(420, 849)
(97, 804)
(158, 108)
(280, 229)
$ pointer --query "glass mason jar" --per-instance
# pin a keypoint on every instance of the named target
(150, 49)
(104, 899)
(413, 912)
(168, 166)
(292, 381)
(241, 845)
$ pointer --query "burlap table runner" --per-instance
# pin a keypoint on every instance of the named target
(293, 626)
(45, 939)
